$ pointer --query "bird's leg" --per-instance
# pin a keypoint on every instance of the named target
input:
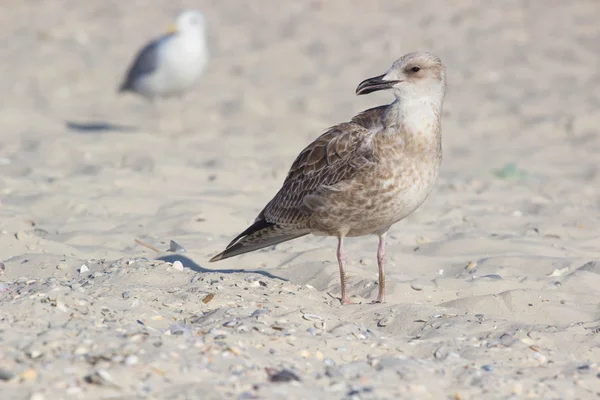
(341, 258)
(157, 114)
(182, 124)
(381, 260)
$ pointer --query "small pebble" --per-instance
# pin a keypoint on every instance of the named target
(441, 353)
(131, 360)
(471, 267)
(178, 266)
(416, 286)
(492, 276)
(126, 295)
(329, 362)
(6, 375)
(304, 353)
(83, 269)
(559, 272)
(232, 323)
(35, 354)
(312, 317)
(284, 375)
(101, 378)
(60, 306)
(29, 374)
(539, 357)
(177, 329)
(444, 316)
(174, 246)
(259, 312)
(2, 268)
(422, 240)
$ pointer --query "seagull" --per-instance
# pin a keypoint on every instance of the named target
(361, 177)
(169, 65)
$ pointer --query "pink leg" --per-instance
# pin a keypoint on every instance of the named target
(341, 258)
(381, 260)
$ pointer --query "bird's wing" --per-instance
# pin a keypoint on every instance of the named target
(146, 62)
(372, 119)
(335, 157)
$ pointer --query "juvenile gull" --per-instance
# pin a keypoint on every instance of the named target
(363, 176)
(169, 65)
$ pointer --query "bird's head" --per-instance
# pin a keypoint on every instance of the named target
(188, 21)
(414, 74)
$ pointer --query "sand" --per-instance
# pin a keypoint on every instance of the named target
(493, 284)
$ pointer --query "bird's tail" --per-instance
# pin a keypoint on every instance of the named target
(259, 235)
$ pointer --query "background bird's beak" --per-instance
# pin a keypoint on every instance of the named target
(172, 29)
(374, 84)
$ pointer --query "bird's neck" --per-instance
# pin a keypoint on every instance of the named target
(415, 121)
(192, 39)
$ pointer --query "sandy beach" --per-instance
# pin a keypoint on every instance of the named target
(493, 285)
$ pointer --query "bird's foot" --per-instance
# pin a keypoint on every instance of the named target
(346, 301)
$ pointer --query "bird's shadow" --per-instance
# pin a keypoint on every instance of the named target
(188, 263)
(98, 127)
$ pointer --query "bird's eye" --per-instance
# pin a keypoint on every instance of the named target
(415, 69)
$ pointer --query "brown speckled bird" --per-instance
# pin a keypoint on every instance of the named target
(361, 177)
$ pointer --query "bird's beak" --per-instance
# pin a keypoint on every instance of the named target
(374, 84)
(172, 29)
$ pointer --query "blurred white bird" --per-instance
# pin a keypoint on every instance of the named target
(170, 65)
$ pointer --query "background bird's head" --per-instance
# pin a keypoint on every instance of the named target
(188, 21)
